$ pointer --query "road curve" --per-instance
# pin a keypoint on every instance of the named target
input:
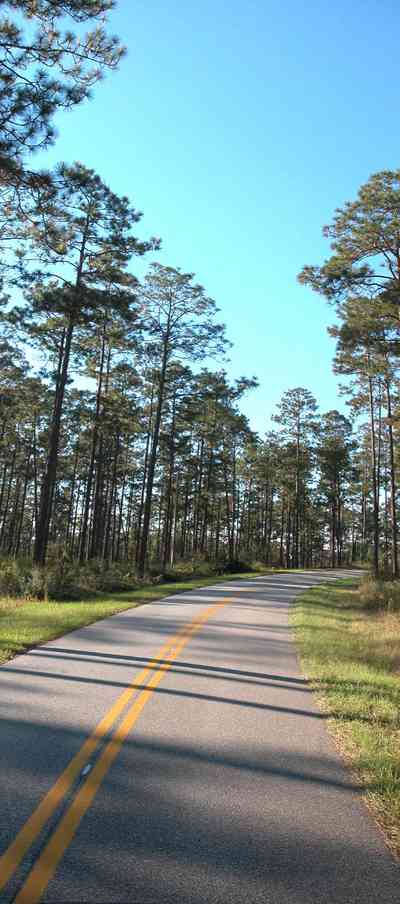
(173, 754)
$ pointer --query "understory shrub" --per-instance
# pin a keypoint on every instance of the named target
(13, 577)
(376, 593)
(196, 567)
(233, 566)
(63, 579)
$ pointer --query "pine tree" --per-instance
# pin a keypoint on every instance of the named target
(82, 243)
(179, 319)
(297, 420)
(46, 69)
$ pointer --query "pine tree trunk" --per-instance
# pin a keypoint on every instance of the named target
(269, 532)
(144, 481)
(169, 494)
(296, 514)
(393, 486)
(72, 495)
(49, 477)
(9, 487)
(152, 463)
(83, 552)
(282, 534)
(22, 510)
(375, 490)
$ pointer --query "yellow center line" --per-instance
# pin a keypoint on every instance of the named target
(46, 865)
(17, 850)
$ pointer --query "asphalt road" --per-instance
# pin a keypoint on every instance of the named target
(216, 784)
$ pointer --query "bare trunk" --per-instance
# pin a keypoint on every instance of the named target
(393, 485)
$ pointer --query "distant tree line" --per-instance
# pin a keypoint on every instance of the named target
(157, 464)
(117, 443)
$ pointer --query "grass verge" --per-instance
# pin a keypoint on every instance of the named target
(352, 658)
(25, 624)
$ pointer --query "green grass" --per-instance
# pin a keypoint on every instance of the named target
(352, 658)
(24, 624)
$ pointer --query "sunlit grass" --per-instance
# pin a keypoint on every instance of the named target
(352, 657)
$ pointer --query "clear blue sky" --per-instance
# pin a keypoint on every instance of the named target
(237, 129)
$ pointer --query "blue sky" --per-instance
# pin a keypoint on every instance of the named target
(237, 129)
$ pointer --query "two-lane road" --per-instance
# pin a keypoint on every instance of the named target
(173, 754)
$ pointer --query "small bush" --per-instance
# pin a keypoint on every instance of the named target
(380, 594)
(262, 567)
(371, 594)
(62, 579)
(196, 567)
(233, 566)
(12, 578)
(391, 591)
(36, 584)
(21, 579)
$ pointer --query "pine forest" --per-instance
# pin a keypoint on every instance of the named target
(125, 450)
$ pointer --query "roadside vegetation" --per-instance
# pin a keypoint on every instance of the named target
(349, 640)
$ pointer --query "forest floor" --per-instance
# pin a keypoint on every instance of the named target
(352, 659)
(27, 623)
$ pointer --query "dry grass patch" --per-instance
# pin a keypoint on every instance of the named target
(381, 633)
(351, 655)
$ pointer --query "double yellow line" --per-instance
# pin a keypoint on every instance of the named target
(46, 865)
